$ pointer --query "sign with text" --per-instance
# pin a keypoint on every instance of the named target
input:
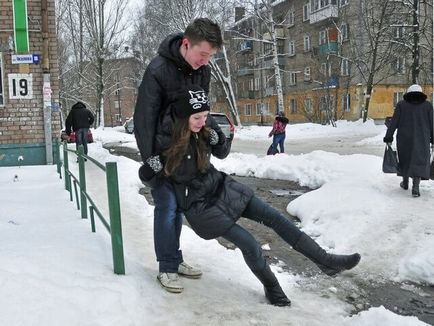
(20, 86)
(25, 58)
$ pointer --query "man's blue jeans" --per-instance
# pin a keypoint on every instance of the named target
(81, 138)
(279, 139)
(167, 228)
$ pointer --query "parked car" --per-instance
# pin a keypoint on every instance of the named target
(129, 126)
(71, 138)
(223, 121)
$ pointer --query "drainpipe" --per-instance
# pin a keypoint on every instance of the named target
(46, 89)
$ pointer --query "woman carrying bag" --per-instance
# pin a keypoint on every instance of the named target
(413, 120)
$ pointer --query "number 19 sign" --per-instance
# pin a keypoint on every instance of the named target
(20, 86)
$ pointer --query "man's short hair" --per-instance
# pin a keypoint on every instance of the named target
(204, 29)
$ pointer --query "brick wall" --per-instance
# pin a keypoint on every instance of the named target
(22, 120)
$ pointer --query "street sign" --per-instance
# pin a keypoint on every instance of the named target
(20, 86)
(26, 58)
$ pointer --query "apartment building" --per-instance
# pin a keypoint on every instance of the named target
(325, 53)
(29, 88)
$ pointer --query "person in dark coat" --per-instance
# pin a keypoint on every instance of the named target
(80, 118)
(212, 201)
(278, 133)
(182, 60)
(413, 118)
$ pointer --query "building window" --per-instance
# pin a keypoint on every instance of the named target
(322, 37)
(307, 76)
(292, 78)
(306, 12)
(346, 105)
(268, 48)
(291, 20)
(326, 69)
(326, 103)
(251, 84)
(262, 109)
(280, 46)
(308, 106)
(293, 105)
(399, 65)
(291, 48)
(343, 2)
(397, 96)
(398, 32)
(248, 109)
(306, 43)
(345, 67)
(2, 99)
(344, 32)
(319, 4)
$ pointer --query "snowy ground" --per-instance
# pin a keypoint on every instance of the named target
(56, 272)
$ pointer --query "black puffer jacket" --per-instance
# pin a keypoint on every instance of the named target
(165, 75)
(79, 117)
(212, 201)
(413, 117)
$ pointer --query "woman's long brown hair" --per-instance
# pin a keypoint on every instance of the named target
(181, 136)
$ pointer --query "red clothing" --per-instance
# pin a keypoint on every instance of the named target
(278, 127)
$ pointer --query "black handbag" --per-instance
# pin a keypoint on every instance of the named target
(270, 150)
(390, 160)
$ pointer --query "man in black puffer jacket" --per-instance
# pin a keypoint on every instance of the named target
(79, 119)
(182, 61)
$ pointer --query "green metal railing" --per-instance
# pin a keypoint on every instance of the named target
(114, 227)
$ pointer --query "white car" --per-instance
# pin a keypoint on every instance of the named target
(129, 126)
(225, 124)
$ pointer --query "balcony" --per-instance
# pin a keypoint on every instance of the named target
(330, 47)
(330, 11)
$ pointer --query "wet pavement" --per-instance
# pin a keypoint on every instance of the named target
(407, 298)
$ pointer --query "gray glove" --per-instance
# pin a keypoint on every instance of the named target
(213, 137)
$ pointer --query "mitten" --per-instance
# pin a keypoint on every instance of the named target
(388, 139)
(213, 137)
(150, 168)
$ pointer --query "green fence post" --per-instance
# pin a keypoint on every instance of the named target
(82, 176)
(57, 157)
(66, 167)
(115, 217)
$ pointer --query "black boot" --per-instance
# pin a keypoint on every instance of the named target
(415, 190)
(272, 289)
(404, 183)
(330, 264)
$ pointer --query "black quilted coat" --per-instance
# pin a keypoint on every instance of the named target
(212, 201)
(165, 75)
(413, 117)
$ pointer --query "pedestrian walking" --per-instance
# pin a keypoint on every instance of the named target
(182, 60)
(79, 119)
(278, 133)
(413, 120)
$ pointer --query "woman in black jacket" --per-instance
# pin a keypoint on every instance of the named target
(213, 202)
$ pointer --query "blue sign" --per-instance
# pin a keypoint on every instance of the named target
(36, 58)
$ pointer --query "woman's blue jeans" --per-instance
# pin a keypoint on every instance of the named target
(167, 228)
(261, 212)
(279, 139)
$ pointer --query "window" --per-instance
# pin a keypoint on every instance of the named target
(262, 108)
(2, 99)
(306, 43)
(257, 81)
(117, 104)
(398, 32)
(291, 48)
(345, 67)
(292, 78)
(280, 46)
(268, 48)
(397, 96)
(118, 117)
(306, 12)
(248, 109)
(307, 76)
(319, 4)
(343, 2)
(291, 20)
(293, 105)
(326, 103)
(308, 106)
(326, 69)
(346, 105)
(322, 37)
(251, 84)
(399, 65)
(344, 32)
